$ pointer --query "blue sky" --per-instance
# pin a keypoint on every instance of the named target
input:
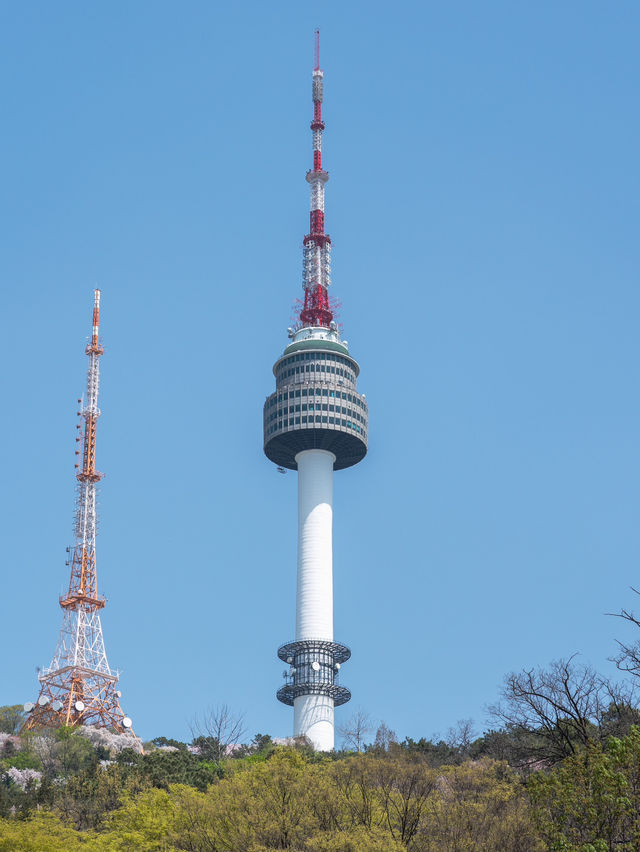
(483, 206)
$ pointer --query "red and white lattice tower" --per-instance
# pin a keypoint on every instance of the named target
(316, 311)
(315, 422)
(79, 687)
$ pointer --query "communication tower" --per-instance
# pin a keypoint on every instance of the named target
(79, 687)
(315, 422)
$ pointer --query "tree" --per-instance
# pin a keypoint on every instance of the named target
(148, 823)
(433, 753)
(62, 752)
(560, 708)
(43, 833)
(628, 657)
(355, 730)
(356, 839)
(481, 806)
(592, 802)
(403, 788)
(460, 738)
(219, 728)
(87, 798)
(163, 768)
(268, 807)
(12, 717)
(385, 738)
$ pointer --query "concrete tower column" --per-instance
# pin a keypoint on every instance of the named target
(314, 601)
(313, 715)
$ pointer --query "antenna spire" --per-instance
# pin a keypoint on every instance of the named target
(317, 245)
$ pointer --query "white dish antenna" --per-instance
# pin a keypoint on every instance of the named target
(126, 722)
(79, 705)
(118, 693)
(43, 700)
(56, 705)
(28, 707)
(315, 665)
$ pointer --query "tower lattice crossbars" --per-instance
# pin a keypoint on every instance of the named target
(79, 687)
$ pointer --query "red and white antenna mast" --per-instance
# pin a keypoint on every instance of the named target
(79, 687)
(316, 310)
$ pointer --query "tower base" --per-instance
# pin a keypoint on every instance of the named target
(72, 697)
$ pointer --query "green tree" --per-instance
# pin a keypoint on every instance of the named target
(163, 768)
(357, 839)
(12, 717)
(147, 823)
(592, 802)
(45, 832)
(479, 806)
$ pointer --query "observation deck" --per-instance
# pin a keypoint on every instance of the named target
(316, 404)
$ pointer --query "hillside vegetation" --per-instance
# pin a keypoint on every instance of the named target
(560, 771)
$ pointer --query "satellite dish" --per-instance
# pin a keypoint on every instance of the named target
(43, 700)
(290, 660)
(315, 665)
(28, 707)
(337, 667)
(56, 705)
(118, 694)
(127, 723)
(79, 705)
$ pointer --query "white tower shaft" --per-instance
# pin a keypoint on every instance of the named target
(314, 602)
(313, 715)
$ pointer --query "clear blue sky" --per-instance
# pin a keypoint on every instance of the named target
(484, 208)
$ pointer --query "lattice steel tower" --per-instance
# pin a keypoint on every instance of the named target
(315, 422)
(79, 687)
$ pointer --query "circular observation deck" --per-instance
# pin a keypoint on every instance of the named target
(316, 405)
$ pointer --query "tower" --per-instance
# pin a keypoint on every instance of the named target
(79, 687)
(315, 422)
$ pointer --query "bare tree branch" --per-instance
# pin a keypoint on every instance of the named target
(628, 657)
(561, 708)
(354, 731)
(217, 731)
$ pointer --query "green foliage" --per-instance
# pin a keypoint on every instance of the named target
(435, 753)
(148, 823)
(358, 839)
(159, 742)
(24, 759)
(11, 718)
(163, 768)
(86, 798)
(45, 832)
(392, 798)
(592, 802)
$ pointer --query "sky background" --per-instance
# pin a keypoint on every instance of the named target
(484, 212)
